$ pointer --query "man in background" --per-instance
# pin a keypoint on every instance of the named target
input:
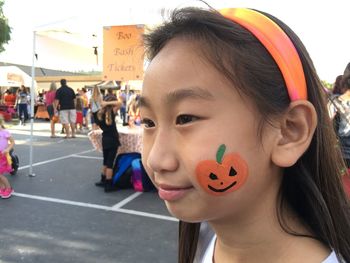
(65, 101)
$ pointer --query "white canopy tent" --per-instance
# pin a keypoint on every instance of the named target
(12, 76)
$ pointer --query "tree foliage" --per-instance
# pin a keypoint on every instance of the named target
(327, 84)
(5, 29)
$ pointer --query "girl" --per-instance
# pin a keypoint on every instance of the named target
(105, 119)
(79, 107)
(22, 103)
(237, 136)
(95, 105)
(6, 144)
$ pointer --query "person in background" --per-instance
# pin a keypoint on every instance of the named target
(238, 141)
(79, 109)
(105, 119)
(39, 101)
(49, 102)
(65, 102)
(6, 144)
(95, 105)
(123, 113)
(110, 93)
(341, 117)
(22, 102)
(9, 98)
(337, 87)
(134, 111)
(85, 101)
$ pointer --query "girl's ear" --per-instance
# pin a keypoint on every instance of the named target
(296, 128)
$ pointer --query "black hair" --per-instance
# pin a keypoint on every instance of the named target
(106, 112)
(63, 82)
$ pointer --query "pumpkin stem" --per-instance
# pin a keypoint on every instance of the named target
(220, 153)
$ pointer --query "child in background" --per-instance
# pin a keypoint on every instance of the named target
(6, 144)
(85, 100)
(134, 111)
(79, 110)
(105, 119)
(238, 141)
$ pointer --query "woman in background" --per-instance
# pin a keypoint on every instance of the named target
(22, 103)
(49, 101)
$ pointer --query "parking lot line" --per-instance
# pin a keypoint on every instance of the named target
(55, 159)
(87, 157)
(126, 200)
(95, 206)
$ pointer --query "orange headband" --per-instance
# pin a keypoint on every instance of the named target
(277, 43)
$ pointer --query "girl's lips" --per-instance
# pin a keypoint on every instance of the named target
(172, 193)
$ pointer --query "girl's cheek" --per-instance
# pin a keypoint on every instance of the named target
(224, 175)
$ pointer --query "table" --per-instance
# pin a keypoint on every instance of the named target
(130, 139)
(41, 112)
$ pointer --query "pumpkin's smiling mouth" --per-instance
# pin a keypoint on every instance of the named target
(222, 190)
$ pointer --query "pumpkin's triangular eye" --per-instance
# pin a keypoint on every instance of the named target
(232, 172)
(213, 176)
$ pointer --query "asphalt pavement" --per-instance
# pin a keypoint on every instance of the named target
(60, 216)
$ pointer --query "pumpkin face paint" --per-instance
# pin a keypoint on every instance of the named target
(225, 175)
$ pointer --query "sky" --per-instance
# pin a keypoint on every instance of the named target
(322, 25)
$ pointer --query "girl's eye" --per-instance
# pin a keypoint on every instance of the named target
(183, 119)
(147, 123)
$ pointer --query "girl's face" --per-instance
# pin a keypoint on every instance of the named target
(189, 110)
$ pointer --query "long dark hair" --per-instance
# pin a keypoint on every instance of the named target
(106, 112)
(312, 187)
(337, 89)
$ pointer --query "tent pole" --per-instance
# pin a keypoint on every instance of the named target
(32, 97)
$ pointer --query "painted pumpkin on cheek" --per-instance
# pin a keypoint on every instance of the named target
(225, 175)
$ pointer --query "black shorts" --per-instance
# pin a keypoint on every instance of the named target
(109, 157)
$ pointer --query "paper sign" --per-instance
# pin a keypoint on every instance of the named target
(123, 52)
(15, 77)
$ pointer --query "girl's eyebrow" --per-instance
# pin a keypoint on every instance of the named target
(188, 93)
(176, 96)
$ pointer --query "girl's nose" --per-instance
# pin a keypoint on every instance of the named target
(162, 154)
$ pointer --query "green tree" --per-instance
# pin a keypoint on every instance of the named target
(5, 29)
(327, 84)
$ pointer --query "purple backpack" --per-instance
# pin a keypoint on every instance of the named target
(139, 177)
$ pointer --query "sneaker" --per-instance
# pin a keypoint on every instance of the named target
(102, 182)
(2, 191)
(6, 193)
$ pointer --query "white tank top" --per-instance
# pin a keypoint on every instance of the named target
(207, 255)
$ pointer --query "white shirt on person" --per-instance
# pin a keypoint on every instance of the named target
(206, 245)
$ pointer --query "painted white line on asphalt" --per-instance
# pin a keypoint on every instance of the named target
(62, 201)
(139, 213)
(101, 207)
(87, 157)
(126, 200)
(40, 133)
(56, 159)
